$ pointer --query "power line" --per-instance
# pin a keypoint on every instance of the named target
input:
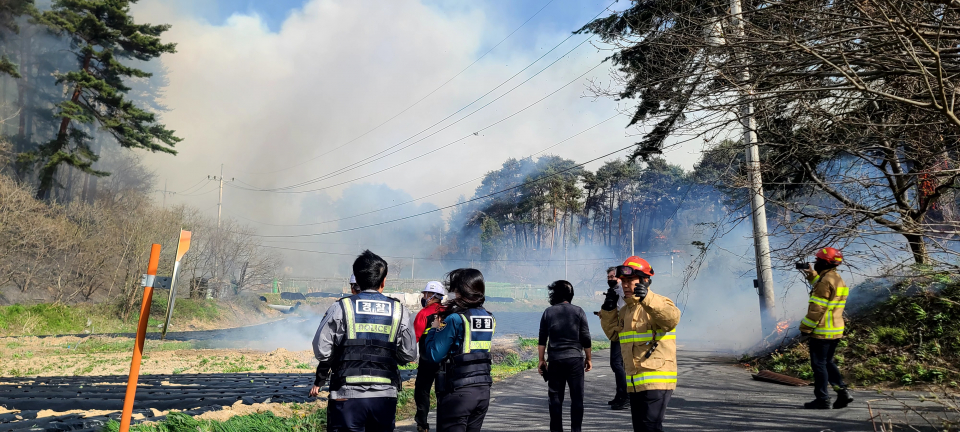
(191, 187)
(452, 205)
(369, 159)
(558, 260)
(434, 193)
(419, 100)
(431, 151)
(198, 193)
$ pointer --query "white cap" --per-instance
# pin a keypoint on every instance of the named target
(434, 287)
(353, 279)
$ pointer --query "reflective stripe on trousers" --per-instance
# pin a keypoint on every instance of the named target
(651, 377)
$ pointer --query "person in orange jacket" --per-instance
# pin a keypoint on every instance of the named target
(646, 328)
(823, 326)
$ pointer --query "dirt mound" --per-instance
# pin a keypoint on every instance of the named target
(279, 410)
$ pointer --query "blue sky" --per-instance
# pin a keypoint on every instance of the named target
(558, 16)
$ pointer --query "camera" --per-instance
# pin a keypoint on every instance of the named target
(803, 266)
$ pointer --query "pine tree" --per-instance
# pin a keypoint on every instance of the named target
(102, 33)
(10, 10)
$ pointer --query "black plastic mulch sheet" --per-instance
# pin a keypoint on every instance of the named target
(192, 393)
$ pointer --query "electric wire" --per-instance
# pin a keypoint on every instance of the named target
(191, 187)
(451, 205)
(549, 260)
(434, 193)
(419, 100)
(431, 151)
(198, 193)
(368, 159)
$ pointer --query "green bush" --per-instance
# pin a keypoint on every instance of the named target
(42, 319)
(525, 343)
(904, 340)
(893, 335)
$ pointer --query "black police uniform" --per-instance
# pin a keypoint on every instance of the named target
(464, 379)
(367, 356)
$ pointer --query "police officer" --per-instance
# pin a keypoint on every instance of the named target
(460, 341)
(363, 339)
(427, 370)
(324, 369)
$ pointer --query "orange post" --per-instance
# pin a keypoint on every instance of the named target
(141, 333)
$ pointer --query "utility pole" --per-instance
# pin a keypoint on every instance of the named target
(220, 200)
(761, 242)
(413, 268)
(632, 252)
(219, 213)
(165, 192)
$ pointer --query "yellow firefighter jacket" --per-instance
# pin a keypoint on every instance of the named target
(824, 318)
(637, 325)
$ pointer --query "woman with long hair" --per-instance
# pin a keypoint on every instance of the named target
(460, 341)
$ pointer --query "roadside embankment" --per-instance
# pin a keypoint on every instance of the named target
(906, 340)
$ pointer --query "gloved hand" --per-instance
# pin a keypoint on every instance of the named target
(610, 301)
(640, 291)
(804, 337)
(323, 372)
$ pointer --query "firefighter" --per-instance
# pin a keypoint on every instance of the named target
(363, 339)
(646, 328)
(460, 340)
(823, 327)
(426, 369)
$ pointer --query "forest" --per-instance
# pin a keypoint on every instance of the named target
(81, 85)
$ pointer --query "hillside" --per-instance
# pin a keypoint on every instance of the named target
(905, 340)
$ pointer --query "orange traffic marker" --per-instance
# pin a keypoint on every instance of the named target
(141, 334)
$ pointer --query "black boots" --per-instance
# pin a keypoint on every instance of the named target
(817, 404)
(843, 399)
(619, 403)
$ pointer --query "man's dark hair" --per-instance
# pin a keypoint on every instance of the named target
(370, 270)
(612, 269)
(560, 291)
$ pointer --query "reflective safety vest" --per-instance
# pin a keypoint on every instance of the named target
(824, 317)
(368, 353)
(647, 335)
(648, 339)
(471, 365)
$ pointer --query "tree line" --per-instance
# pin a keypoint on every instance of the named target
(852, 102)
(80, 252)
(81, 85)
(537, 209)
(78, 79)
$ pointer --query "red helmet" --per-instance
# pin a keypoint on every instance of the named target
(830, 255)
(634, 265)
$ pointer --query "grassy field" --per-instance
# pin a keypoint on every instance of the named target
(189, 314)
(903, 341)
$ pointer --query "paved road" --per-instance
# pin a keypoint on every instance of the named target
(713, 395)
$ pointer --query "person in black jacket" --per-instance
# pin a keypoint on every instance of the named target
(565, 336)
